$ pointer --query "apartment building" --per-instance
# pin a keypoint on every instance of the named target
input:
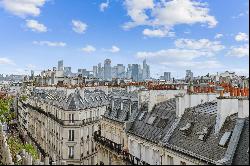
(192, 129)
(61, 123)
(112, 138)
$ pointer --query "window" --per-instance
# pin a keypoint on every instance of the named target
(71, 135)
(93, 130)
(182, 163)
(170, 160)
(71, 118)
(71, 152)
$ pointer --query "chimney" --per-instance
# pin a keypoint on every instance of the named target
(221, 93)
(121, 104)
(184, 101)
(231, 91)
(226, 106)
(243, 107)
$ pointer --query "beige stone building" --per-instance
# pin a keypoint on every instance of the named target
(61, 123)
(112, 139)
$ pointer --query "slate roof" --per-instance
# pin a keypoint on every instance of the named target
(207, 149)
(152, 125)
(73, 101)
(241, 156)
(124, 114)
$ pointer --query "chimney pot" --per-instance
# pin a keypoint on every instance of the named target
(221, 93)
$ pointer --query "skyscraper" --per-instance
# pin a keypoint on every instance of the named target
(67, 71)
(189, 75)
(95, 71)
(167, 76)
(99, 71)
(129, 71)
(60, 65)
(145, 70)
(32, 73)
(135, 72)
(115, 72)
(107, 69)
(120, 71)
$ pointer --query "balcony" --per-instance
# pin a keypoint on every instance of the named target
(132, 160)
(72, 123)
(107, 143)
(89, 121)
(127, 157)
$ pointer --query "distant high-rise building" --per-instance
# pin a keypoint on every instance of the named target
(60, 65)
(167, 76)
(129, 71)
(145, 70)
(99, 71)
(135, 72)
(32, 73)
(95, 71)
(115, 72)
(189, 75)
(120, 71)
(67, 71)
(107, 69)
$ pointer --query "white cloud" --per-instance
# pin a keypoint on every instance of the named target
(171, 55)
(241, 14)
(136, 9)
(240, 51)
(157, 33)
(89, 49)
(6, 61)
(207, 64)
(166, 14)
(241, 37)
(204, 45)
(36, 26)
(114, 49)
(240, 71)
(30, 66)
(23, 8)
(104, 6)
(218, 36)
(50, 44)
(79, 26)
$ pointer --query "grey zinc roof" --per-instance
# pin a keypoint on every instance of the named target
(153, 125)
(207, 149)
(73, 101)
(122, 114)
(241, 156)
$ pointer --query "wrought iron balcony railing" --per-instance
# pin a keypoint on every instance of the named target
(108, 143)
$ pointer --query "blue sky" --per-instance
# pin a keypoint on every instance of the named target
(204, 36)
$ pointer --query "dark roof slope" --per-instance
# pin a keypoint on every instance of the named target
(153, 125)
(121, 109)
(241, 156)
(199, 140)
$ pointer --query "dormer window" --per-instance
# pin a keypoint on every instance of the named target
(187, 128)
(151, 120)
(204, 133)
(142, 115)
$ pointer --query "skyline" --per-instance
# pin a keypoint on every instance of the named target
(207, 40)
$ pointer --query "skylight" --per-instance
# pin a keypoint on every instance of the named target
(151, 120)
(225, 139)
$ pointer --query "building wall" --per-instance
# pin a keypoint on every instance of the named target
(53, 137)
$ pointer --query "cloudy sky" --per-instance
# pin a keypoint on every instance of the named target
(173, 35)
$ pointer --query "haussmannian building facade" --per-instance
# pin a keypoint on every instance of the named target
(62, 123)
